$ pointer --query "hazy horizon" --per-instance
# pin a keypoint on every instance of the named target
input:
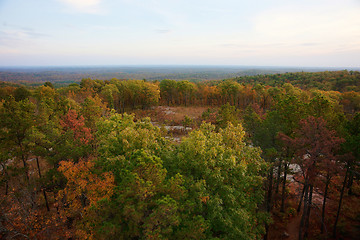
(149, 72)
(180, 66)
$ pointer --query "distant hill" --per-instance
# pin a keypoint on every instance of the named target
(327, 80)
(66, 75)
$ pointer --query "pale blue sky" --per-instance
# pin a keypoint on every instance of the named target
(318, 33)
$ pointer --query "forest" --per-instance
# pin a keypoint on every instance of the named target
(62, 76)
(270, 156)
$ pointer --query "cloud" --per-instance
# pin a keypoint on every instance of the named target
(162, 31)
(309, 44)
(84, 6)
(20, 30)
(14, 37)
(20, 40)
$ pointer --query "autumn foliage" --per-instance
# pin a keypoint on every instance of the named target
(72, 122)
(75, 163)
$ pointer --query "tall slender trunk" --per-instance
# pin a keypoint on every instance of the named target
(264, 102)
(6, 187)
(324, 203)
(26, 168)
(350, 182)
(44, 192)
(278, 177)
(38, 166)
(303, 217)
(306, 228)
(266, 232)
(270, 188)
(6, 179)
(340, 201)
(301, 198)
(269, 199)
(283, 188)
(23, 159)
(46, 201)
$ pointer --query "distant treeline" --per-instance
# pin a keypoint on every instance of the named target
(61, 76)
(330, 81)
(342, 87)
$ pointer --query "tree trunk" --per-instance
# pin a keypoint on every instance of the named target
(23, 158)
(266, 232)
(303, 217)
(283, 188)
(269, 199)
(306, 228)
(278, 177)
(44, 192)
(6, 187)
(38, 166)
(46, 201)
(324, 204)
(340, 201)
(301, 198)
(350, 182)
(6, 179)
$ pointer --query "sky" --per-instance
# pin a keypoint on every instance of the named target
(300, 33)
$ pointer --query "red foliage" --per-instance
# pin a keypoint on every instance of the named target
(259, 111)
(71, 121)
(315, 146)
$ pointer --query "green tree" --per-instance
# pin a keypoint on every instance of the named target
(16, 121)
(168, 91)
(110, 92)
(48, 84)
(227, 114)
(224, 178)
(230, 91)
(146, 203)
(21, 93)
(185, 89)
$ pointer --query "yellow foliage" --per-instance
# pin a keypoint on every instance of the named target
(84, 189)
